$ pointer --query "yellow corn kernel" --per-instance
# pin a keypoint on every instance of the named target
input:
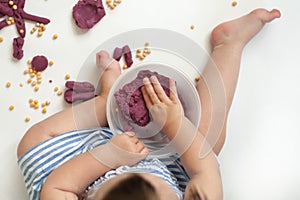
(234, 3)
(47, 103)
(39, 81)
(55, 36)
(56, 89)
(11, 107)
(1, 39)
(44, 110)
(197, 78)
(43, 28)
(11, 3)
(21, 84)
(125, 66)
(138, 51)
(29, 80)
(67, 76)
(8, 84)
(33, 83)
(192, 27)
(59, 93)
(43, 104)
(36, 101)
(146, 44)
(51, 62)
(36, 88)
(15, 7)
(27, 119)
(30, 100)
(26, 71)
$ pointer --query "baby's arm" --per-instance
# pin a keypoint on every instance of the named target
(72, 178)
(186, 139)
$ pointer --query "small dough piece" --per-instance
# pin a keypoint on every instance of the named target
(87, 13)
(80, 86)
(39, 63)
(17, 48)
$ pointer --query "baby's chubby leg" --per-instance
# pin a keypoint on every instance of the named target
(88, 114)
(228, 41)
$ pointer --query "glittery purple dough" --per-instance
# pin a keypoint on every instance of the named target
(39, 63)
(131, 102)
(17, 47)
(87, 13)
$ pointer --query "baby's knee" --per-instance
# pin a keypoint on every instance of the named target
(34, 135)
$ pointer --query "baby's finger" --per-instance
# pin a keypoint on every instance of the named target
(140, 146)
(150, 91)
(159, 89)
(146, 98)
(173, 91)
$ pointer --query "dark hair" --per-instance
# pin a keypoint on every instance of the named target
(134, 187)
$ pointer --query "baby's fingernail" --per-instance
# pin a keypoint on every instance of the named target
(146, 80)
(130, 134)
(145, 151)
(153, 78)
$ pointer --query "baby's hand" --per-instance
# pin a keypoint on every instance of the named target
(129, 143)
(166, 111)
(123, 149)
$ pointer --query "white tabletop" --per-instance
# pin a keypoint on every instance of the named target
(259, 159)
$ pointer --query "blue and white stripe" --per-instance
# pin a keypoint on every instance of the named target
(37, 163)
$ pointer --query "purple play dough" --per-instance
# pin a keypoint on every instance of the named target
(87, 13)
(127, 55)
(71, 96)
(39, 63)
(17, 48)
(118, 52)
(131, 102)
(80, 86)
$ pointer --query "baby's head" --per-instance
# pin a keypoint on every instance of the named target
(131, 187)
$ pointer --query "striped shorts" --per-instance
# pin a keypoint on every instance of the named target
(37, 163)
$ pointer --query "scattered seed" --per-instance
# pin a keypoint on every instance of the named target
(27, 119)
(197, 78)
(21, 84)
(11, 3)
(192, 27)
(234, 3)
(51, 62)
(125, 66)
(59, 93)
(36, 88)
(67, 76)
(56, 89)
(44, 110)
(11, 107)
(55, 36)
(8, 84)
(1, 39)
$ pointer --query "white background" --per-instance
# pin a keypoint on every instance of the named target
(260, 156)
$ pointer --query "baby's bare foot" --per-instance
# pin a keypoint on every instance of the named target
(109, 71)
(240, 31)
